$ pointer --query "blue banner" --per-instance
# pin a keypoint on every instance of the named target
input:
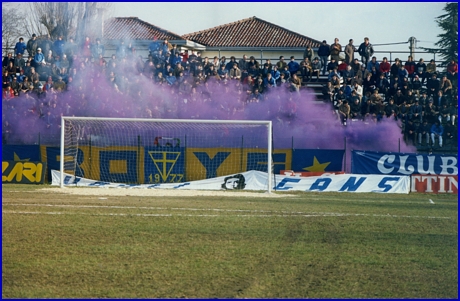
(316, 160)
(164, 165)
(21, 153)
(363, 162)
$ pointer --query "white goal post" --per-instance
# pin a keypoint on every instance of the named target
(138, 151)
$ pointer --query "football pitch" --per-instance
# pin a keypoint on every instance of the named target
(305, 245)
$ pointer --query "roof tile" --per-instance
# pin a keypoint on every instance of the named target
(132, 28)
(251, 32)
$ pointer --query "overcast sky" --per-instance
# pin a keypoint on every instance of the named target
(389, 22)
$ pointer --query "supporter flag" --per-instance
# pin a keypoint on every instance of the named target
(316, 160)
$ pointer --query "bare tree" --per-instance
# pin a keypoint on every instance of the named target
(67, 19)
(10, 29)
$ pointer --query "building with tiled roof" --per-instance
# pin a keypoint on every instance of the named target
(253, 37)
(132, 28)
(251, 33)
(139, 33)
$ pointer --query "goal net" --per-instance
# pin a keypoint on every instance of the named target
(153, 151)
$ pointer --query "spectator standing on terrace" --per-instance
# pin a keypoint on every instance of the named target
(20, 47)
(336, 48)
(98, 49)
(324, 52)
(432, 85)
(243, 66)
(86, 48)
(154, 46)
(365, 50)
(165, 46)
(402, 74)
(328, 92)
(58, 46)
(305, 69)
(394, 70)
(430, 69)
(350, 52)
(45, 43)
(32, 46)
(121, 50)
(410, 67)
(296, 83)
(385, 67)
(281, 64)
(420, 70)
(452, 70)
(308, 53)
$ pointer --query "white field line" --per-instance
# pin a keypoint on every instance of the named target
(257, 212)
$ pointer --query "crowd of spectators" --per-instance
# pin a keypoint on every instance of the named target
(65, 78)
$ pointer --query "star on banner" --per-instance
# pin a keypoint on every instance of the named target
(317, 166)
(16, 158)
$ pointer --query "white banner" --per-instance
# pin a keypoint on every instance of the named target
(257, 180)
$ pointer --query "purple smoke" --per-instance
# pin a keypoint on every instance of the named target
(91, 93)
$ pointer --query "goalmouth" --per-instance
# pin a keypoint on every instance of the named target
(155, 151)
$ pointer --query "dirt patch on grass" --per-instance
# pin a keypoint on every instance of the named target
(99, 191)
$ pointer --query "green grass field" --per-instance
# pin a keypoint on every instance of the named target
(310, 245)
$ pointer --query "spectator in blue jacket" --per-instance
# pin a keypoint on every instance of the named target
(154, 46)
(275, 73)
(437, 130)
(293, 66)
(171, 78)
(39, 58)
(324, 52)
(97, 49)
(373, 63)
(58, 47)
(20, 47)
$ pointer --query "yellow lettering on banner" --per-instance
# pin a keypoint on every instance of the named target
(235, 162)
(5, 165)
(118, 166)
(29, 170)
(91, 164)
(38, 173)
(195, 170)
(17, 171)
